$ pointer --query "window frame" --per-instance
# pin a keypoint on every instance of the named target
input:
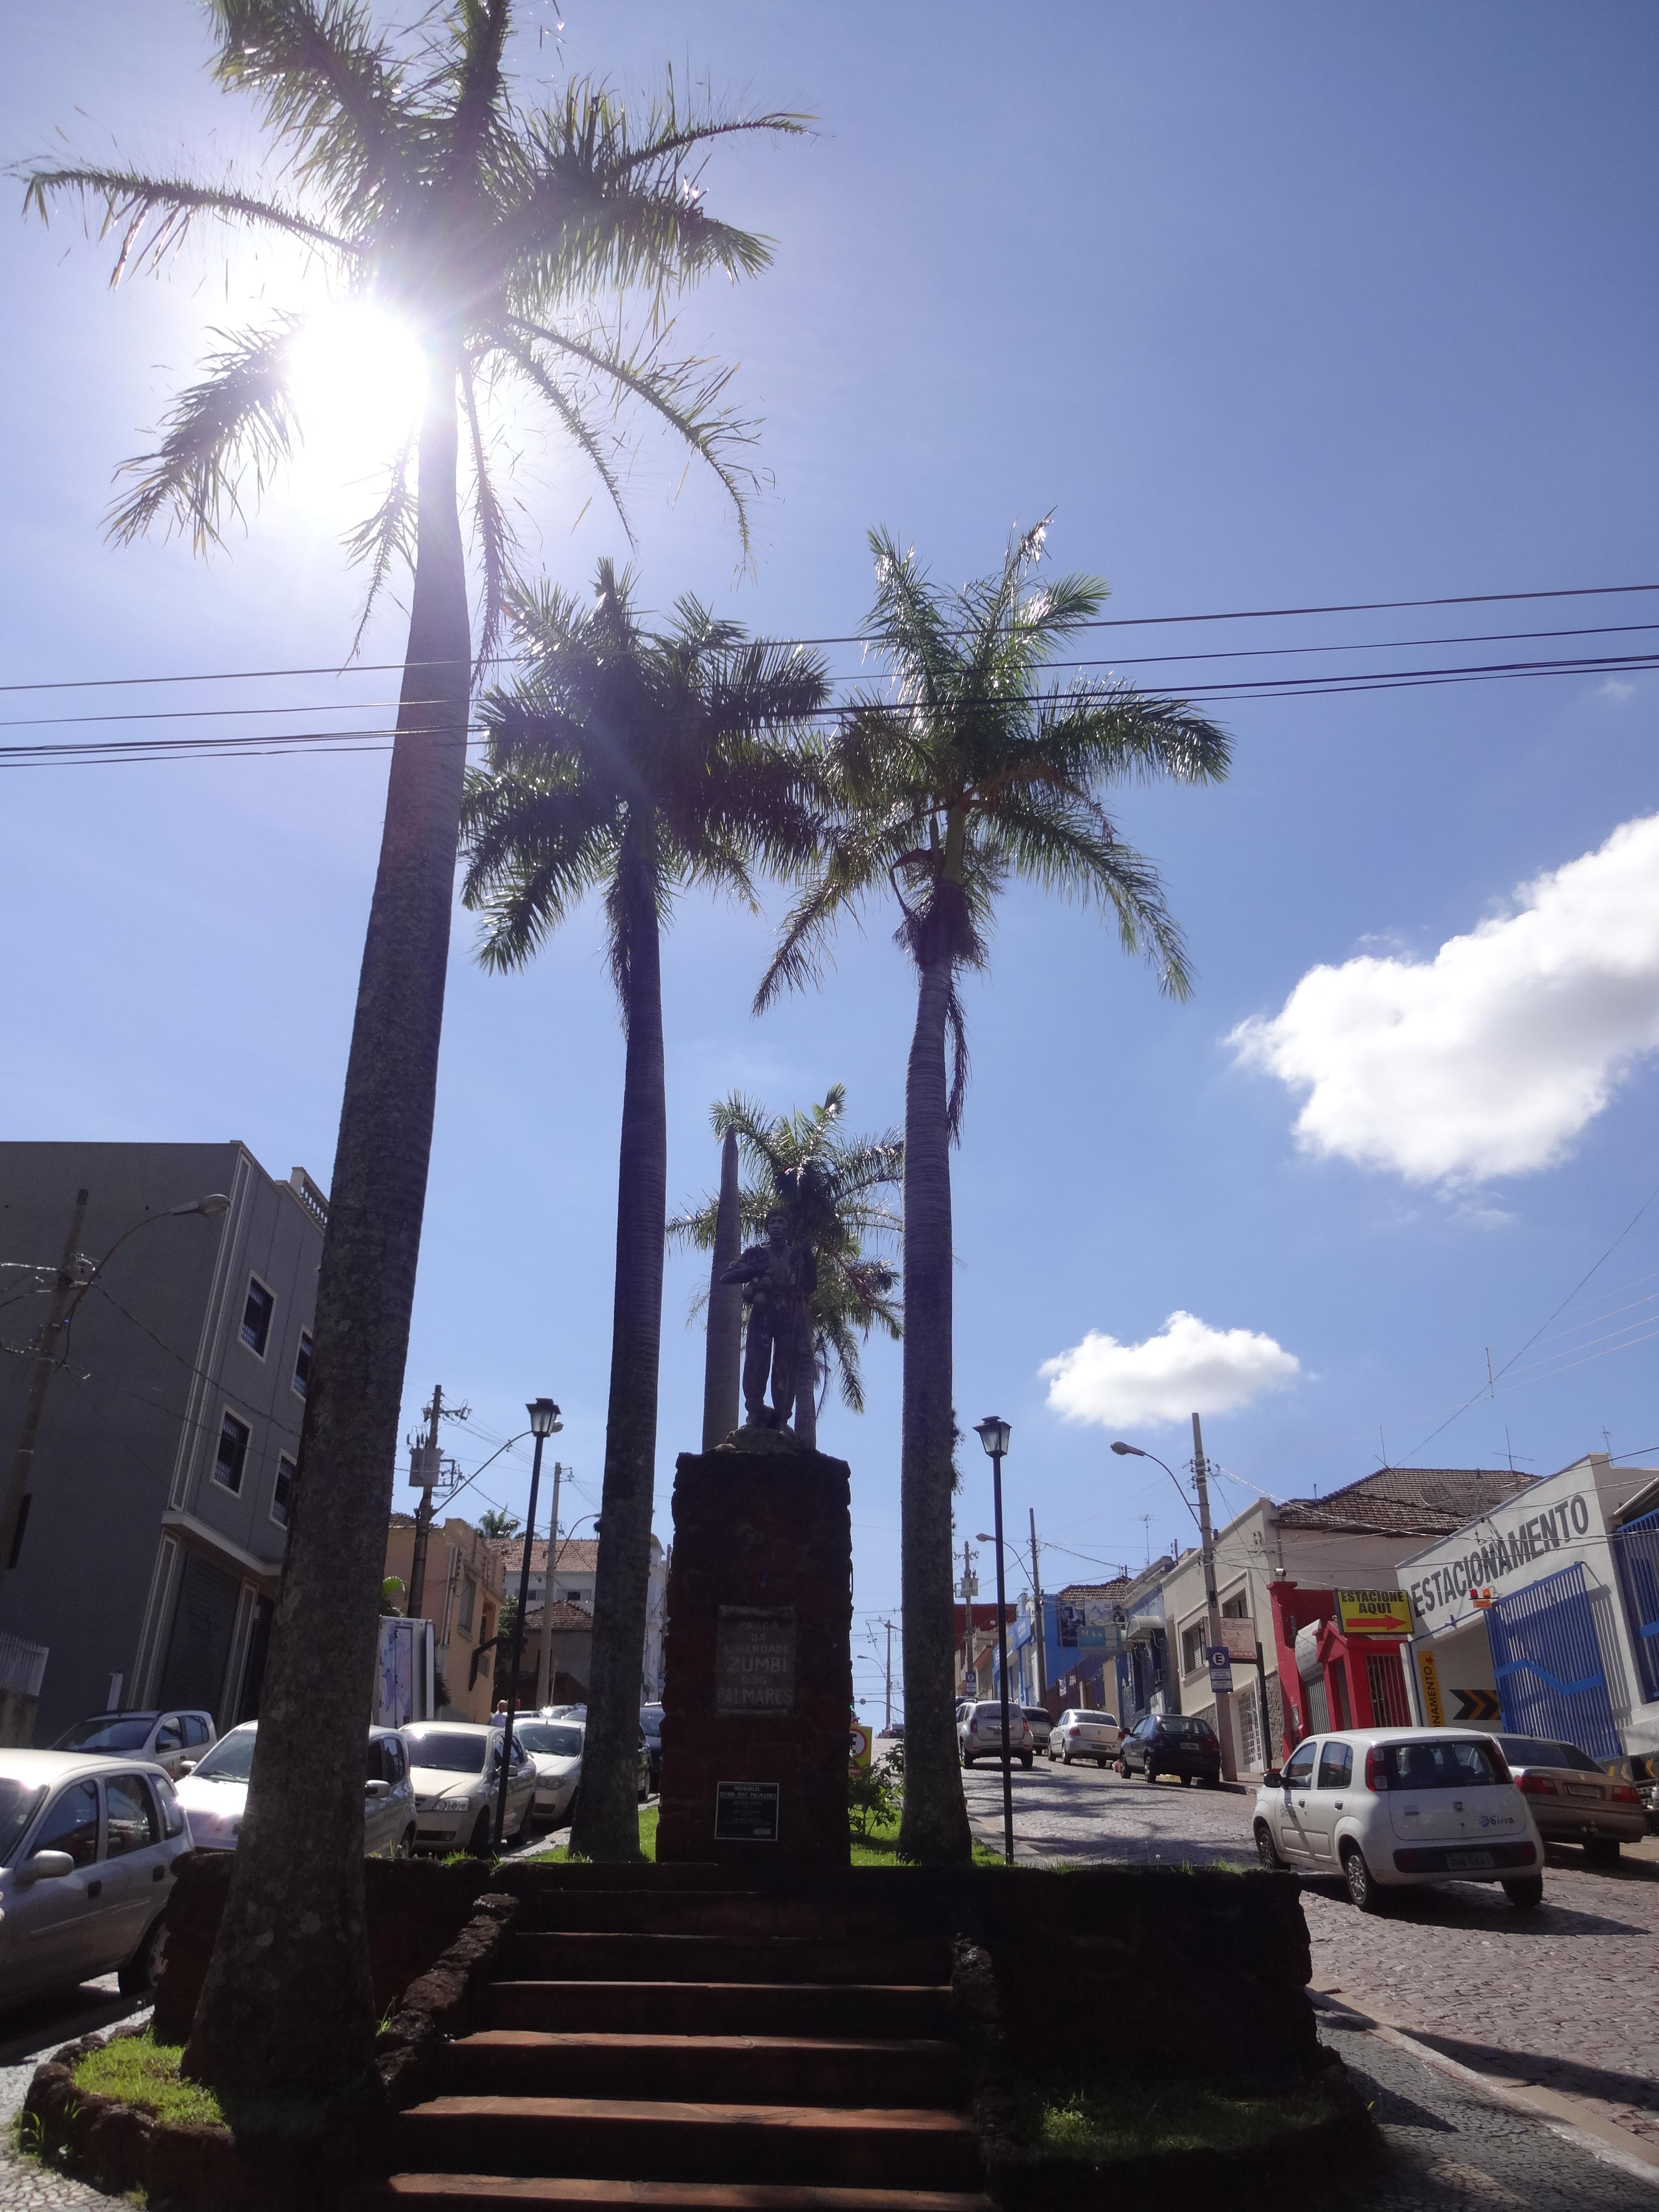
(1333, 1752)
(284, 1460)
(139, 1784)
(262, 1349)
(1311, 1746)
(1200, 1630)
(303, 1349)
(227, 1417)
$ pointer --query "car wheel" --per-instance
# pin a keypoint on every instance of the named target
(478, 1843)
(1026, 1762)
(1149, 1772)
(1266, 1850)
(1121, 1768)
(1601, 1851)
(1101, 1764)
(406, 1844)
(1363, 1890)
(1065, 1758)
(138, 1978)
(1526, 1892)
(1186, 1781)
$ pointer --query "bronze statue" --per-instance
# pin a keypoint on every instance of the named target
(777, 1278)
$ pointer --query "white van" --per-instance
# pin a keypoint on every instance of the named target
(1397, 1808)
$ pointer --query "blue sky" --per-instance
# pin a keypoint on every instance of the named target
(1283, 306)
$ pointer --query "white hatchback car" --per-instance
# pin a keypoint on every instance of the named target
(214, 1794)
(1399, 1808)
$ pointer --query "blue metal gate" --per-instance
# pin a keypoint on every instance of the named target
(1636, 1547)
(1547, 1661)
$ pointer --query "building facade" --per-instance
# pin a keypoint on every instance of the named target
(462, 1598)
(1540, 1615)
(575, 1567)
(147, 1560)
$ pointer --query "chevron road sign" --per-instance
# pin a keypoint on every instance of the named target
(1477, 1704)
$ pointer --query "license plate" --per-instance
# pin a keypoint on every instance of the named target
(1584, 1789)
(1470, 1859)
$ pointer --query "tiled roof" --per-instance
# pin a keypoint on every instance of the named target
(565, 1616)
(578, 1555)
(1407, 1501)
(1113, 1589)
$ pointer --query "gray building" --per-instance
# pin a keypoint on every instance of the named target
(147, 1562)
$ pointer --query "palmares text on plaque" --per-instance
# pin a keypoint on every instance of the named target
(755, 1660)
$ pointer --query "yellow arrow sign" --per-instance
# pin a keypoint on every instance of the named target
(1477, 1705)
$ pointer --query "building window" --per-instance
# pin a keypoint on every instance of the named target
(256, 1317)
(302, 1363)
(464, 1616)
(228, 1466)
(1194, 1642)
(1237, 1607)
(282, 1498)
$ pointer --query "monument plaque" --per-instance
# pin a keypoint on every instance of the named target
(746, 1812)
(754, 1661)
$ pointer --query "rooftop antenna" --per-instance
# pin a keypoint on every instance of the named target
(1146, 1530)
(1383, 1440)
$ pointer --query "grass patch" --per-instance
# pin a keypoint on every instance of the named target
(136, 2069)
(1089, 2120)
(880, 1847)
(647, 1842)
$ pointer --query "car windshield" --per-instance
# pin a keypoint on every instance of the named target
(19, 1803)
(449, 1750)
(1184, 1725)
(555, 1739)
(231, 1758)
(1543, 1751)
(1036, 1713)
(106, 1734)
(1459, 1765)
(651, 1715)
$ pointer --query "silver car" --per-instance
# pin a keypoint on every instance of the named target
(88, 1847)
(979, 1733)
(1085, 1732)
(1572, 1799)
(556, 1747)
(456, 1771)
(214, 1794)
(174, 1739)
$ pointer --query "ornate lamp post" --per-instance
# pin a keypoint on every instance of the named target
(544, 1422)
(993, 1432)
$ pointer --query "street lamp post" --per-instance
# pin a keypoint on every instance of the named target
(993, 1433)
(1223, 1703)
(68, 1290)
(543, 1423)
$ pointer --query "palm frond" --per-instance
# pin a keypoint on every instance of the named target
(237, 419)
(153, 214)
(385, 537)
(567, 404)
(494, 534)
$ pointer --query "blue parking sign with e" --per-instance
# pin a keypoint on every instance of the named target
(1221, 1667)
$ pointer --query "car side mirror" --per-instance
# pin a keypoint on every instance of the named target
(186, 1767)
(46, 1866)
(1272, 1779)
(376, 1789)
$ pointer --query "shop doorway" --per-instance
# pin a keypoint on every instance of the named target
(1546, 1658)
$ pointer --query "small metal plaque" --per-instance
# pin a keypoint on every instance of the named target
(754, 1661)
(746, 1812)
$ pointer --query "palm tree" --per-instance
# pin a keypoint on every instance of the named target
(636, 764)
(492, 230)
(829, 1183)
(970, 770)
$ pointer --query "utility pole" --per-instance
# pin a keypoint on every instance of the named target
(887, 1721)
(969, 1584)
(544, 1662)
(47, 1358)
(424, 1511)
(1223, 1703)
(1036, 1617)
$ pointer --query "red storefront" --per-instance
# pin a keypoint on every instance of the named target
(1339, 1660)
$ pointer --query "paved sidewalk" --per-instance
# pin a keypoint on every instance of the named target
(29, 2033)
(1563, 1998)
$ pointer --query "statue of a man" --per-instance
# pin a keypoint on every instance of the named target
(777, 1278)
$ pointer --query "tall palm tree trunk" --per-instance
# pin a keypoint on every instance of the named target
(288, 2002)
(607, 1815)
(935, 1829)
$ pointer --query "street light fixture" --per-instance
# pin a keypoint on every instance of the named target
(994, 1433)
(544, 1422)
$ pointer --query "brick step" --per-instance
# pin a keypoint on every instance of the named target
(837, 2008)
(745, 1913)
(747, 2069)
(639, 2140)
(640, 1958)
(489, 2192)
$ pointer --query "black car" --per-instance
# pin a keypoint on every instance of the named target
(1172, 1743)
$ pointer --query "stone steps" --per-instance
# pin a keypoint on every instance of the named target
(900, 2011)
(489, 2192)
(746, 2068)
(607, 1956)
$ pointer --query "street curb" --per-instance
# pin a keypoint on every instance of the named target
(1573, 2116)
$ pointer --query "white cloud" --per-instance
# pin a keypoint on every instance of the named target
(1614, 688)
(1187, 1368)
(1489, 1058)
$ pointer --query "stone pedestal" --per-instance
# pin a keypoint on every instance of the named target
(758, 1674)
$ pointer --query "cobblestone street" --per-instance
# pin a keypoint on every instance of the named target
(1563, 1996)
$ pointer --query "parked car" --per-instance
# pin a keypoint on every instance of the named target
(175, 1741)
(1172, 1743)
(979, 1733)
(651, 1722)
(556, 1747)
(1085, 1732)
(1042, 1725)
(213, 1793)
(1399, 1808)
(1572, 1798)
(456, 1771)
(87, 1849)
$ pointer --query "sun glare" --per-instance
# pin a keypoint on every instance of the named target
(356, 375)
